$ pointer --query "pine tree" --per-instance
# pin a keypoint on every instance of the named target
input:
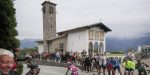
(8, 23)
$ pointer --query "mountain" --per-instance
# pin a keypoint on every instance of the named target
(28, 43)
(115, 44)
(112, 44)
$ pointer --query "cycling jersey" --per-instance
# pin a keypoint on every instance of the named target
(129, 64)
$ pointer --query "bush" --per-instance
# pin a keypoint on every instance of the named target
(117, 52)
(19, 68)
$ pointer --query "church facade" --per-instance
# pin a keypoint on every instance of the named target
(90, 38)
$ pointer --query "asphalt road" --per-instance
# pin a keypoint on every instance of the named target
(52, 70)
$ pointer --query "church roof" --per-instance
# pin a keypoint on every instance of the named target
(48, 2)
(57, 37)
(101, 25)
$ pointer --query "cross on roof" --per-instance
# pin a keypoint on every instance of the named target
(100, 19)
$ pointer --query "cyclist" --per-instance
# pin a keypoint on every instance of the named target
(74, 69)
(34, 70)
(129, 66)
(141, 67)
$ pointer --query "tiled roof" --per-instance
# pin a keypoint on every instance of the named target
(101, 25)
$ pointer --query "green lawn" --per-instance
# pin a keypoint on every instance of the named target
(115, 55)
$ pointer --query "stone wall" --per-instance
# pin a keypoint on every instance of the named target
(55, 43)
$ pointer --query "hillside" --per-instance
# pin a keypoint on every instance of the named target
(112, 44)
(28, 43)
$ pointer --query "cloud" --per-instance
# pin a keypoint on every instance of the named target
(127, 18)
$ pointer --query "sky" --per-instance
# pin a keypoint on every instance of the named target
(127, 18)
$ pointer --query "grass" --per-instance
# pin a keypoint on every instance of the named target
(115, 55)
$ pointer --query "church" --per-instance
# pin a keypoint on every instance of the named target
(90, 38)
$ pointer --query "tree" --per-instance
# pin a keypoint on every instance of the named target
(22, 53)
(8, 32)
(8, 23)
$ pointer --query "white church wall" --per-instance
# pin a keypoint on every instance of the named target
(77, 41)
(40, 47)
(104, 42)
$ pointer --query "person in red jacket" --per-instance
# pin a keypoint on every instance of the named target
(14, 67)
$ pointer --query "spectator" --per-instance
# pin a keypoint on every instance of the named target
(6, 62)
(116, 66)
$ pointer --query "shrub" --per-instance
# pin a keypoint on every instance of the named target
(19, 68)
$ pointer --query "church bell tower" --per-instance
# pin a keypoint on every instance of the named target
(49, 22)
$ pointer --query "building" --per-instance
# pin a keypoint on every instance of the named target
(144, 49)
(91, 37)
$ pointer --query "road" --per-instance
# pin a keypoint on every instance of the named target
(52, 70)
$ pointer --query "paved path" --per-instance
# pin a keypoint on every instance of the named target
(52, 70)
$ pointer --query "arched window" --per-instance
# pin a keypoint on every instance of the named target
(96, 47)
(50, 9)
(90, 48)
(43, 9)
